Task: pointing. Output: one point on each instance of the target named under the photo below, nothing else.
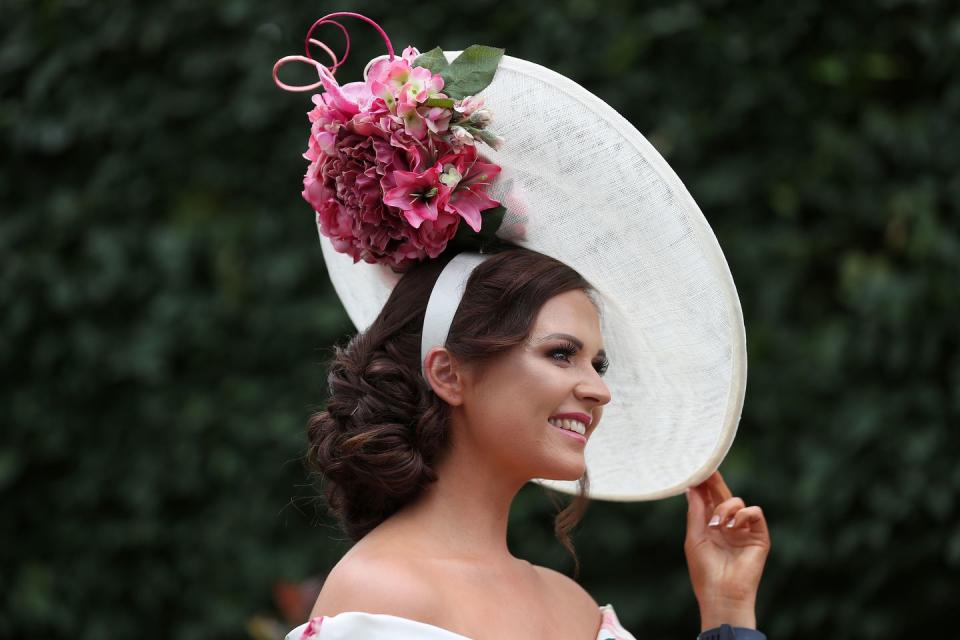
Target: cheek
(520, 392)
(539, 388)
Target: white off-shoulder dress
(357, 625)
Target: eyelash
(569, 349)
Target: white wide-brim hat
(589, 190)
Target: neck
(464, 514)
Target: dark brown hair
(378, 442)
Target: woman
(481, 372)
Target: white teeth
(570, 425)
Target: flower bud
(468, 105)
(481, 117)
(461, 135)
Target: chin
(573, 472)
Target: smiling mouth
(574, 426)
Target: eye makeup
(570, 346)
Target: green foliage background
(165, 311)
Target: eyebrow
(575, 340)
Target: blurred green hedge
(166, 315)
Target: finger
(725, 510)
(709, 498)
(743, 516)
(712, 497)
(751, 518)
(696, 512)
(718, 487)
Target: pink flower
(410, 54)
(391, 74)
(336, 97)
(398, 75)
(347, 188)
(416, 194)
(421, 84)
(325, 123)
(403, 89)
(466, 196)
(437, 119)
(468, 105)
(418, 153)
(413, 122)
(461, 137)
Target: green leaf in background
(472, 71)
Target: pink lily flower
(467, 197)
(416, 194)
(335, 96)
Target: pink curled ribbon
(321, 69)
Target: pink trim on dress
(312, 629)
(610, 627)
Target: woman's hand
(725, 563)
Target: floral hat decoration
(394, 166)
(452, 151)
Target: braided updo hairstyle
(378, 442)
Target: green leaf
(491, 219)
(472, 71)
(487, 137)
(434, 60)
(446, 103)
(466, 239)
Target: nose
(592, 388)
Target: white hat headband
(397, 177)
(444, 301)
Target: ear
(445, 375)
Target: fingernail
(714, 521)
(730, 524)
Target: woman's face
(509, 403)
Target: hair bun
(377, 440)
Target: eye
(601, 365)
(564, 352)
(567, 350)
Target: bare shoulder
(566, 590)
(378, 584)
